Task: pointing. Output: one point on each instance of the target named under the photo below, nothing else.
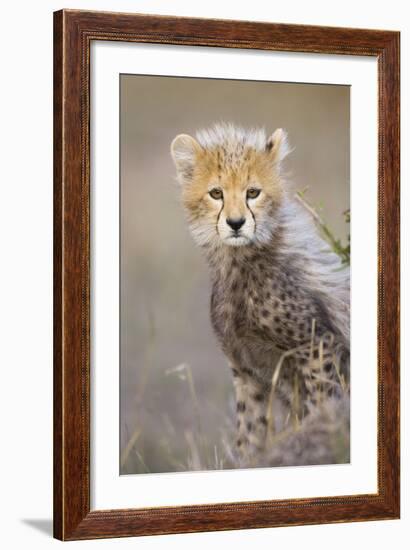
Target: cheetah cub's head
(231, 183)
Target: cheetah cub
(280, 298)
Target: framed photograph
(226, 275)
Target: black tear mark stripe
(252, 214)
(219, 215)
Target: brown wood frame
(73, 33)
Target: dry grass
(321, 437)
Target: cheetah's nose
(235, 224)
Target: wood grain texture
(58, 281)
(73, 32)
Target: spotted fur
(276, 286)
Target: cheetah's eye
(216, 193)
(252, 193)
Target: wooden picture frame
(74, 32)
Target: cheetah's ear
(184, 150)
(277, 145)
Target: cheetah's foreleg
(252, 396)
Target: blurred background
(177, 402)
